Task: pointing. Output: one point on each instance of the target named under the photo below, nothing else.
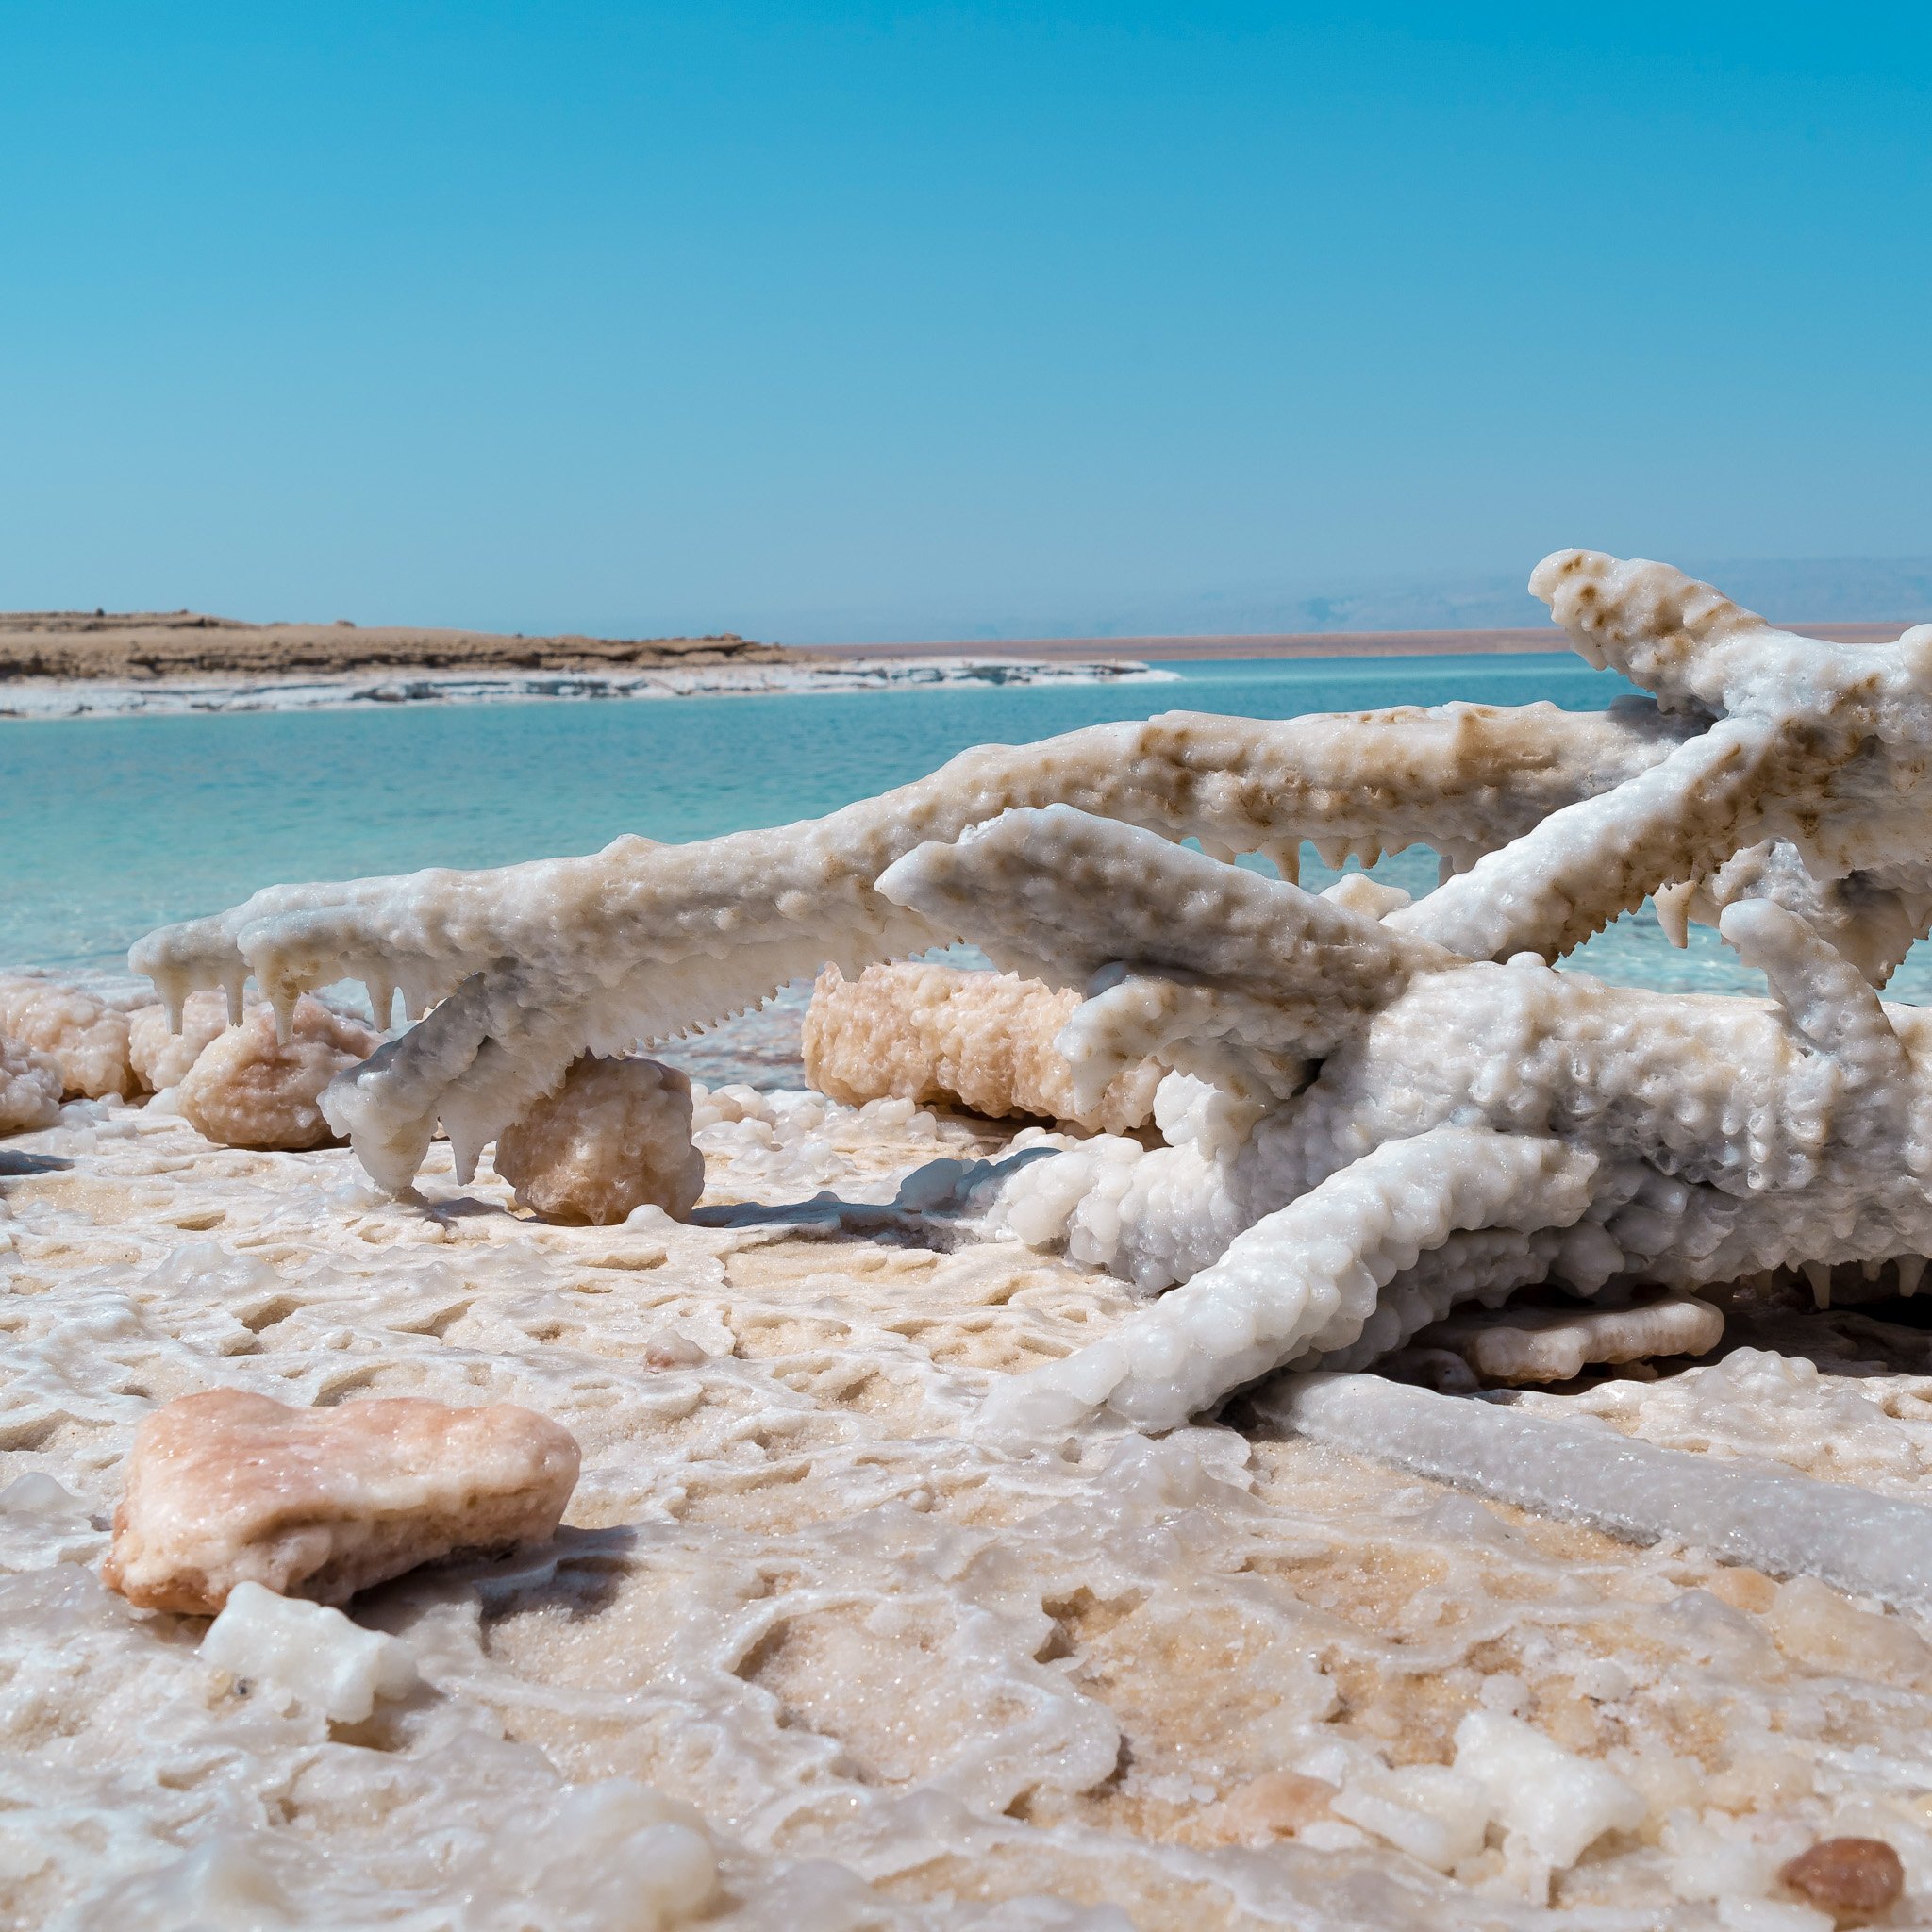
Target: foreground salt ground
(803, 1657)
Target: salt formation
(903, 1681)
(83, 1036)
(531, 965)
(614, 1136)
(250, 1088)
(161, 1054)
(1378, 1110)
(308, 1649)
(924, 1032)
(31, 1085)
(226, 1488)
(1555, 1344)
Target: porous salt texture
(255, 1087)
(615, 1137)
(31, 1085)
(84, 1036)
(1203, 1681)
(924, 1032)
(161, 1054)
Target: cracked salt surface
(805, 1655)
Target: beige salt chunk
(227, 1487)
(161, 1057)
(31, 1085)
(979, 1040)
(1530, 1344)
(615, 1137)
(84, 1036)
(250, 1089)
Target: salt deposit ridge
(946, 1550)
(43, 697)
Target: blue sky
(821, 322)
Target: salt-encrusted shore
(805, 1655)
(174, 695)
(949, 1548)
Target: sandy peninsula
(70, 664)
(148, 645)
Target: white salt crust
(1205, 1680)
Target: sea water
(114, 825)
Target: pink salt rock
(249, 1089)
(615, 1135)
(227, 1487)
(161, 1057)
(85, 1036)
(30, 1089)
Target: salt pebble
(311, 1651)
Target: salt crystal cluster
(309, 1649)
(614, 1137)
(31, 1085)
(161, 1054)
(80, 1033)
(251, 1086)
(227, 1487)
(986, 1042)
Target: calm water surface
(115, 826)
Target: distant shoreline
(69, 664)
(31, 699)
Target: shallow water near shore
(115, 826)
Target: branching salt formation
(1376, 1111)
(531, 965)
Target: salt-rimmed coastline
(61, 697)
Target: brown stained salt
(1853, 1878)
(985, 1041)
(226, 1488)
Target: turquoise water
(115, 826)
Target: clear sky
(815, 320)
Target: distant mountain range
(1832, 589)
